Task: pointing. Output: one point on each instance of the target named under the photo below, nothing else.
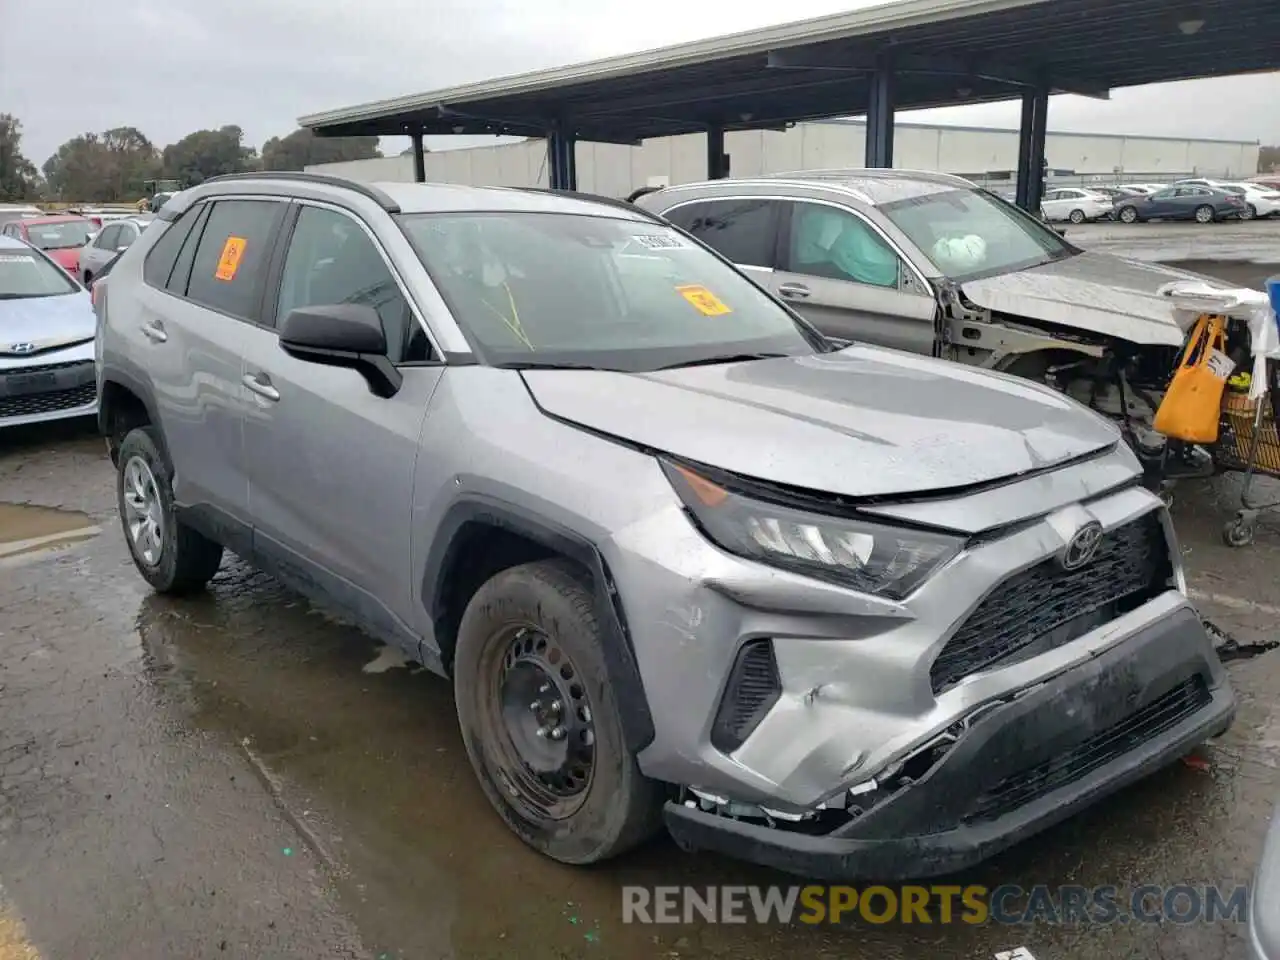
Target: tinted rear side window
(161, 257)
(742, 231)
(232, 259)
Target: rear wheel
(1076, 216)
(1204, 214)
(1128, 215)
(539, 719)
(1250, 212)
(170, 556)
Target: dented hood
(1095, 292)
(861, 422)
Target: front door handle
(154, 331)
(260, 384)
(793, 291)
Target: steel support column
(717, 161)
(419, 159)
(1031, 143)
(562, 164)
(880, 107)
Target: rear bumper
(1027, 764)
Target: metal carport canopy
(938, 53)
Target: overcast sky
(172, 66)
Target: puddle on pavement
(25, 528)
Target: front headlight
(868, 557)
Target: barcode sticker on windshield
(703, 300)
(655, 242)
(229, 262)
(1220, 365)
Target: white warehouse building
(980, 153)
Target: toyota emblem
(1082, 546)
(21, 348)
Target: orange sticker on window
(703, 300)
(229, 262)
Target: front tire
(539, 719)
(1204, 214)
(171, 557)
(1250, 212)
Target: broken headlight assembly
(871, 558)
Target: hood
(862, 422)
(1102, 294)
(46, 322)
(68, 258)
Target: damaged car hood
(861, 422)
(1095, 292)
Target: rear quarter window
(158, 265)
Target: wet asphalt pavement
(239, 775)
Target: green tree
(302, 147)
(208, 153)
(1269, 159)
(79, 170)
(18, 176)
(131, 160)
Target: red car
(60, 237)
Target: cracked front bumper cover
(1022, 767)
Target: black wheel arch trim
(133, 380)
(617, 649)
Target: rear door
(192, 338)
(844, 276)
(330, 464)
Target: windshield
(25, 275)
(968, 234)
(571, 290)
(59, 236)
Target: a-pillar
(1031, 146)
(880, 108)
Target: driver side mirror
(342, 335)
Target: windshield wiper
(727, 358)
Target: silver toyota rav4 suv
(849, 612)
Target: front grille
(753, 689)
(47, 367)
(1045, 607)
(1145, 723)
(34, 403)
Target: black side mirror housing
(342, 335)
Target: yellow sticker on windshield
(229, 262)
(703, 300)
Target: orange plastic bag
(1192, 405)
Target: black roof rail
(596, 198)
(379, 197)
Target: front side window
(59, 236)
(968, 233)
(833, 243)
(742, 231)
(545, 289)
(26, 275)
(231, 260)
(331, 260)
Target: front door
(331, 465)
(841, 274)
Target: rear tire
(1076, 216)
(1204, 214)
(539, 719)
(171, 557)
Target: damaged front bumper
(1030, 761)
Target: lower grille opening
(754, 687)
(1045, 607)
(1161, 714)
(34, 403)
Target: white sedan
(1075, 204)
(1263, 201)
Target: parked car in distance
(115, 237)
(1143, 188)
(1260, 201)
(1271, 180)
(18, 211)
(927, 262)
(1202, 204)
(46, 339)
(59, 236)
(731, 562)
(1075, 204)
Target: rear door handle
(154, 331)
(260, 384)
(793, 291)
